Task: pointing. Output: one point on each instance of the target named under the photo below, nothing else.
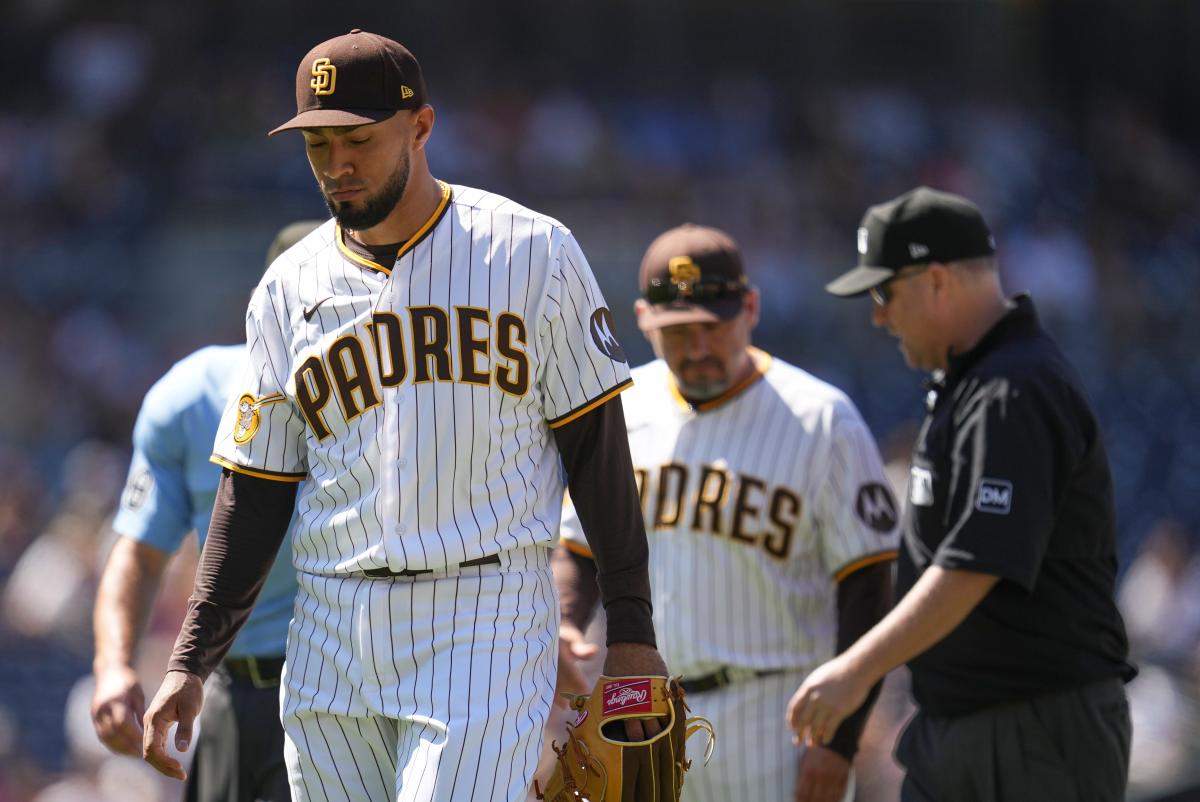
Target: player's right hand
(118, 704)
(571, 649)
(634, 660)
(179, 699)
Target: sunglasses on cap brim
(662, 291)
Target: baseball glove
(597, 764)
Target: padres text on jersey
(419, 397)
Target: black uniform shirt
(1009, 477)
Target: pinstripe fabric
(418, 400)
(753, 506)
(432, 688)
(722, 595)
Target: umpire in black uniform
(1005, 580)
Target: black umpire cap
(923, 225)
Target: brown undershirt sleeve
(595, 452)
(864, 597)
(249, 520)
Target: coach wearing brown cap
(772, 525)
(1007, 620)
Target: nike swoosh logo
(309, 312)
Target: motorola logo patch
(601, 327)
(875, 507)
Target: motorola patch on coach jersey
(875, 507)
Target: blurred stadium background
(138, 193)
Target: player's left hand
(824, 700)
(631, 660)
(824, 775)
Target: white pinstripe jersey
(756, 503)
(419, 398)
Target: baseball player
(429, 361)
(772, 529)
(169, 492)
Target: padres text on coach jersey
(419, 397)
(755, 503)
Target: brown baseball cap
(355, 79)
(691, 274)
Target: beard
(703, 387)
(375, 209)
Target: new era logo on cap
(917, 250)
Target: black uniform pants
(1071, 746)
(239, 754)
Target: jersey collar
(1020, 321)
(762, 362)
(426, 227)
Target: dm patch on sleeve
(995, 496)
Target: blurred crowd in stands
(138, 192)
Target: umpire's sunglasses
(663, 291)
(881, 294)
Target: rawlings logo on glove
(626, 696)
(595, 765)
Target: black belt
(384, 573)
(263, 672)
(726, 675)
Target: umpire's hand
(118, 703)
(179, 699)
(830, 693)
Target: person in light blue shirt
(169, 492)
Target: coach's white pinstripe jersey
(419, 397)
(756, 503)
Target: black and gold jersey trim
(563, 420)
(762, 363)
(274, 476)
(863, 562)
(422, 232)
